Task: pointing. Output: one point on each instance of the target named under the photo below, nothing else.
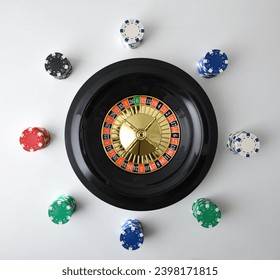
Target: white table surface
(245, 97)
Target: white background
(245, 97)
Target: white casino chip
(132, 33)
(247, 144)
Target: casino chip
(243, 143)
(61, 210)
(58, 66)
(132, 33)
(33, 139)
(206, 212)
(132, 235)
(212, 64)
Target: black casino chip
(58, 66)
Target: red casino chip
(33, 139)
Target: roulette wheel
(141, 134)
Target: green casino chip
(60, 211)
(208, 214)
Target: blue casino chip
(215, 62)
(132, 238)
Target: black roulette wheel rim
(164, 82)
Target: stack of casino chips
(243, 143)
(132, 33)
(33, 139)
(61, 210)
(132, 235)
(206, 212)
(58, 66)
(212, 64)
